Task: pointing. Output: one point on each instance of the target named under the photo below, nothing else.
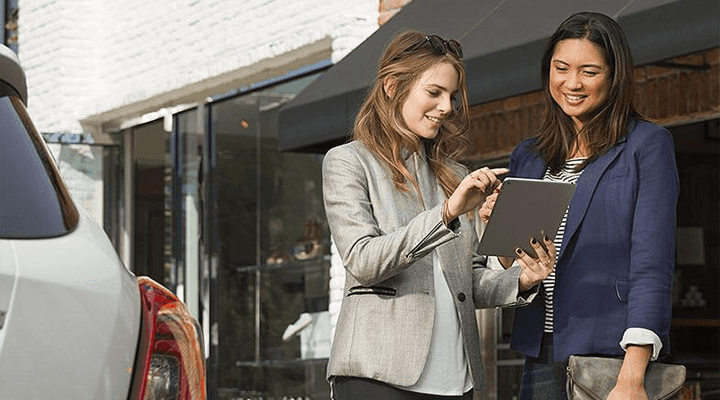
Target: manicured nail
(533, 241)
(518, 251)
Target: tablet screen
(525, 208)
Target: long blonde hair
(379, 123)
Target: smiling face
(430, 100)
(579, 79)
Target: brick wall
(496, 127)
(668, 96)
(60, 49)
(388, 8)
(89, 57)
(671, 96)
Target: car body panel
(72, 321)
(75, 323)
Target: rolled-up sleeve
(642, 337)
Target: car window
(34, 202)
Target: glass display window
(270, 249)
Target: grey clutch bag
(592, 378)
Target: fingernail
(533, 241)
(518, 251)
(547, 239)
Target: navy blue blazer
(615, 267)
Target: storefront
(266, 247)
(676, 48)
(219, 198)
(236, 228)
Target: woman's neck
(580, 150)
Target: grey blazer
(384, 236)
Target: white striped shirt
(566, 174)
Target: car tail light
(169, 364)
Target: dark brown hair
(557, 137)
(379, 123)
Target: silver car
(75, 323)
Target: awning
(502, 41)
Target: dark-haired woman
(610, 293)
(397, 207)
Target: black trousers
(543, 378)
(352, 388)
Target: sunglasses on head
(440, 45)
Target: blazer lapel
(432, 195)
(586, 185)
(448, 253)
(428, 185)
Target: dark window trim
(278, 80)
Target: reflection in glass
(186, 158)
(151, 176)
(113, 194)
(272, 245)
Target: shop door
(268, 243)
(149, 169)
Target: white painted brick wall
(85, 57)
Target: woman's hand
(534, 270)
(472, 190)
(628, 393)
(489, 204)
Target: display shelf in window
(279, 380)
(282, 310)
(282, 363)
(320, 261)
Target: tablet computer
(524, 208)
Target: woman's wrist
(446, 217)
(634, 365)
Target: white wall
(105, 61)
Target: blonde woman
(398, 208)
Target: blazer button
(461, 296)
